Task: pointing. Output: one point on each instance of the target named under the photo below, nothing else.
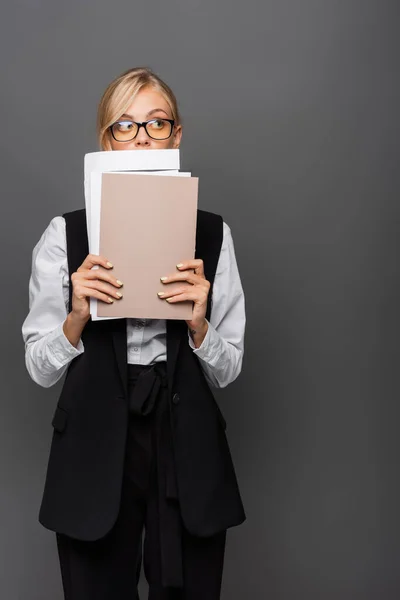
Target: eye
(124, 125)
(157, 124)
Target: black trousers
(177, 565)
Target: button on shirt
(48, 352)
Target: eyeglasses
(157, 129)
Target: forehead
(147, 100)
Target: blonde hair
(119, 95)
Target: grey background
(291, 121)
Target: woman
(139, 441)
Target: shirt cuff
(206, 351)
(61, 348)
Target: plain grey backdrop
(291, 122)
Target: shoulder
(206, 219)
(56, 225)
(209, 225)
(75, 216)
(204, 216)
(75, 224)
(51, 245)
(54, 233)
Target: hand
(195, 288)
(93, 283)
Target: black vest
(84, 476)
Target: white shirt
(48, 352)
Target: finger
(168, 293)
(197, 264)
(95, 259)
(193, 297)
(92, 293)
(184, 276)
(100, 286)
(99, 274)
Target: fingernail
(119, 295)
(168, 299)
(163, 278)
(160, 294)
(179, 266)
(109, 264)
(110, 300)
(119, 282)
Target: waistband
(134, 370)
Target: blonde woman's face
(148, 105)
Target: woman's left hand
(195, 288)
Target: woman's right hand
(93, 283)
(89, 283)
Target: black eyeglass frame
(142, 124)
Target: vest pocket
(59, 419)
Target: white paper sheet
(126, 160)
(132, 160)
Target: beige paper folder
(147, 227)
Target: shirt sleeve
(221, 353)
(48, 352)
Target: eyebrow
(152, 112)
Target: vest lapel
(174, 337)
(121, 350)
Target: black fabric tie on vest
(148, 400)
(143, 396)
